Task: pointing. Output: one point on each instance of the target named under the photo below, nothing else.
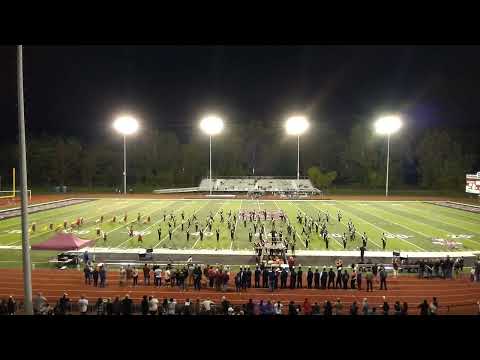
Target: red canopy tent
(63, 241)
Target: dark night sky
(77, 90)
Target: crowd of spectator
(150, 305)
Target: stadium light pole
(297, 125)
(125, 125)
(388, 125)
(27, 267)
(211, 125)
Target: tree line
(433, 158)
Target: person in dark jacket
(126, 305)
(327, 308)
(257, 277)
(249, 277)
(144, 305)
(299, 277)
(250, 307)
(359, 279)
(271, 279)
(87, 273)
(283, 278)
(385, 307)
(383, 279)
(116, 306)
(11, 306)
(345, 278)
(95, 277)
(324, 277)
(331, 278)
(293, 278)
(423, 308)
(354, 308)
(292, 310)
(338, 283)
(316, 278)
(265, 278)
(309, 277)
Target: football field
(408, 225)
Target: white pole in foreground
(211, 184)
(388, 161)
(27, 270)
(298, 159)
(124, 164)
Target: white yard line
(166, 236)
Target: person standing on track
(146, 275)
(331, 278)
(324, 278)
(316, 278)
(299, 278)
(369, 277)
(309, 277)
(293, 278)
(383, 278)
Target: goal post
(14, 193)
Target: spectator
(172, 306)
(225, 305)
(157, 277)
(11, 305)
(291, 309)
(397, 308)
(116, 306)
(135, 276)
(103, 275)
(369, 277)
(423, 308)
(38, 303)
(327, 308)
(187, 307)
(99, 307)
(153, 305)
(261, 308)
(126, 305)
(365, 306)
(146, 275)
(316, 309)
(359, 279)
(207, 306)
(95, 276)
(307, 308)
(383, 279)
(405, 309)
(108, 306)
(478, 303)
(86, 272)
(45, 309)
(434, 306)
(196, 307)
(269, 308)
(338, 307)
(385, 307)
(278, 308)
(230, 310)
(123, 276)
(83, 305)
(64, 305)
(3, 307)
(144, 304)
(354, 308)
(250, 307)
(129, 273)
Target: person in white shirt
(38, 302)
(230, 310)
(83, 305)
(172, 304)
(207, 305)
(157, 274)
(153, 305)
(277, 308)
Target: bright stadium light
(388, 125)
(211, 125)
(125, 125)
(297, 125)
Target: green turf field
(410, 226)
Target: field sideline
(409, 225)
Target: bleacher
(259, 184)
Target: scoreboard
(473, 184)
